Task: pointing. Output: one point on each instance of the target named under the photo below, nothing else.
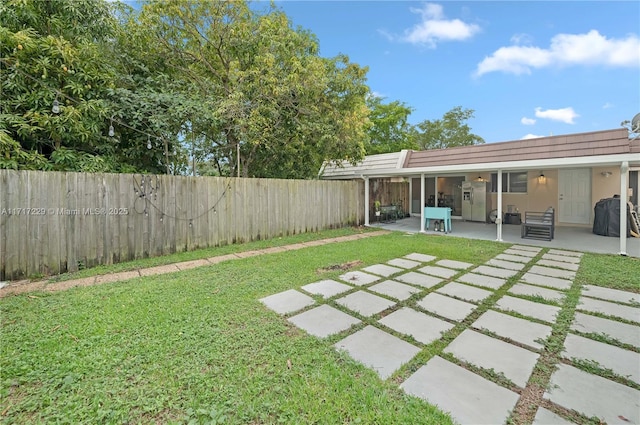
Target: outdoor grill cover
(607, 218)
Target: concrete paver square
(287, 301)
(358, 278)
(423, 258)
(495, 271)
(610, 309)
(326, 288)
(323, 321)
(469, 398)
(404, 263)
(539, 311)
(593, 395)
(378, 350)
(623, 332)
(565, 253)
(446, 306)
(623, 362)
(365, 303)
(452, 264)
(553, 282)
(481, 350)
(383, 270)
(393, 289)
(514, 328)
(533, 291)
(438, 271)
(565, 258)
(419, 279)
(421, 327)
(548, 271)
(482, 280)
(547, 417)
(610, 294)
(559, 264)
(465, 292)
(520, 252)
(503, 264)
(513, 258)
(526, 248)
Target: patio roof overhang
(633, 159)
(624, 161)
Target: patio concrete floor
(570, 238)
(384, 315)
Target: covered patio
(566, 237)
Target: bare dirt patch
(343, 266)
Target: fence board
(85, 224)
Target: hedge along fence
(53, 222)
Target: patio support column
(624, 168)
(411, 196)
(499, 216)
(422, 203)
(366, 201)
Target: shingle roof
(385, 161)
(607, 142)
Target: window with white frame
(514, 182)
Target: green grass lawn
(197, 346)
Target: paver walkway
(385, 314)
(21, 287)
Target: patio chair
(538, 225)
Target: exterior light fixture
(606, 174)
(542, 179)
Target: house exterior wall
(541, 195)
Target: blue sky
(526, 68)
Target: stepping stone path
(385, 314)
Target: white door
(574, 196)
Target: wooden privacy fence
(53, 222)
(388, 193)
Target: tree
(390, 130)
(51, 53)
(214, 83)
(262, 87)
(448, 132)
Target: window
(511, 182)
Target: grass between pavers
(198, 345)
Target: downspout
(624, 169)
(422, 203)
(499, 215)
(366, 199)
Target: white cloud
(607, 105)
(565, 115)
(521, 39)
(435, 28)
(530, 136)
(591, 48)
(527, 121)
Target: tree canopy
(179, 86)
(390, 130)
(448, 132)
